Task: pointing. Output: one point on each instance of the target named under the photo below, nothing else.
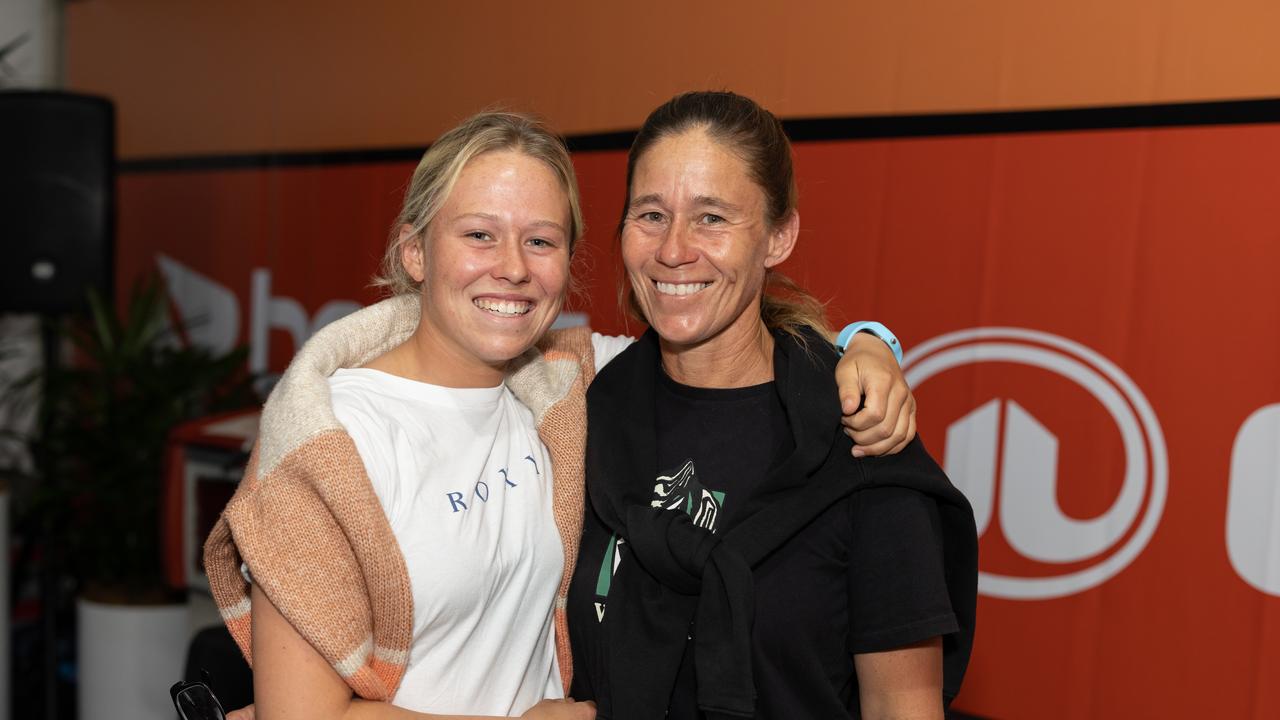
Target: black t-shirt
(865, 575)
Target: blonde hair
(756, 136)
(445, 160)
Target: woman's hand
(869, 378)
(546, 710)
(565, 709)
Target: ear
(411, 253)
(783, 240)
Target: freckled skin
(696, 216)
(501, 236)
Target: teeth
(504, 307)
(680, 288)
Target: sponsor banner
(1092, 329)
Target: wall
(240, 76)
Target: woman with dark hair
(776, 578)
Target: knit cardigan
(307, 523)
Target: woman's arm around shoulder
(292, 681)
(879, 409)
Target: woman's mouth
(667, 288)
(505, 308)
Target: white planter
(129, 655)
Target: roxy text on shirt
(480, 493)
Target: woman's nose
(512, 265)
(676, 248)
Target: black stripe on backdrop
(1230, 112)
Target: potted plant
(106, 415)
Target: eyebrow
(650, 199)
(714, 201)
(706, 200)
(494, 218)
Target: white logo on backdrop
(1028, 511)
(1253, 501)
(212, 312)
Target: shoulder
(585, 345)
(556, 370)
(300, 405)
(615, 379)
(913, 468)
(374, 419)
(607, 347)
(903, 512)
(908, 483)
(356, 397)
(545, 373)
(576, 340)
(906, 506)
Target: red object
(191, 504)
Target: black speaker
(57, 199)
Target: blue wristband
(875, 328)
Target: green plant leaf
(108, 417)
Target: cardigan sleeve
(317, 543)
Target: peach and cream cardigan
(306, 522)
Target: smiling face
(696, 242)
(494, 266)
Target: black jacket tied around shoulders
(688, 583)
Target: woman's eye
(541, 242)
(478, 235)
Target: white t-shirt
(466, 485)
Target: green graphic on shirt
(680, 490)
(606, 568)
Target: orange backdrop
(247, 76)
(1154, 249)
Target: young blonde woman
(402, 542)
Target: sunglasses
(196, 701)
